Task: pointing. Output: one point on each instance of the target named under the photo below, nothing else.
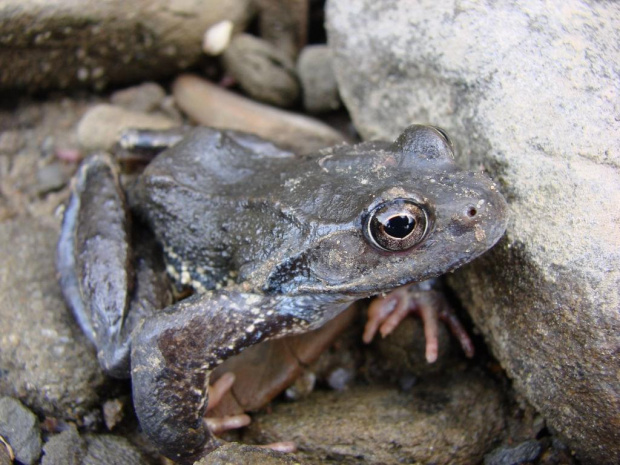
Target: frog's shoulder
(207, 159)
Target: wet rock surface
(528, 93)
(449, 419)
(20, 429)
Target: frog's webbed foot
(386, 312)
(107, 295)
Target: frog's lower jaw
(174, 352)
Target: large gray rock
(44, 358)
(530, 93)
(64, 43)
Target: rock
(65, 44)
(51, 178)
(66, 448)
(284, 24)
(111, 450)
(238, 454)
(318, 81)
(211, 105)
(20, 428)
(528, 91)
(69, 448)
(101, 126)
(526, 452)
(441, 421)
(264, 72)
(143, 98)
(44, 359)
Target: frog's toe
(218, 425)
(385, 313)
(284, 446)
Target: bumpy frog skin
(274, 243)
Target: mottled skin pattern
(275, 244)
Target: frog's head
(390, 214)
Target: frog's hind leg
(94, 262)
(175, 351)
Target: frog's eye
(396, 225)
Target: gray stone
(318, 81)
(526, 452)
(529, 92)
(66, 448)
(44, 359)
(442, 420)
(111, 450)
(69, 448)
(20, 428)
(71, 43)
(101, 126)
(264, 72)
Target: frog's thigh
(174, 352)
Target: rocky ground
(545, 300)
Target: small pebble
(302, 386)
(339, 379)
(112, 413)
(264, 72)
(20, 429)
(217, 38)
(525, 452)
(51, 178)
(318, 81)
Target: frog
(272, 244)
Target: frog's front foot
(386, 312)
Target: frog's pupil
(399, 226)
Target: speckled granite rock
(45, 361)
(530, 93)
(68, 43)
(452, 419)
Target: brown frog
(274, 244)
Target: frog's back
(202, 195)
